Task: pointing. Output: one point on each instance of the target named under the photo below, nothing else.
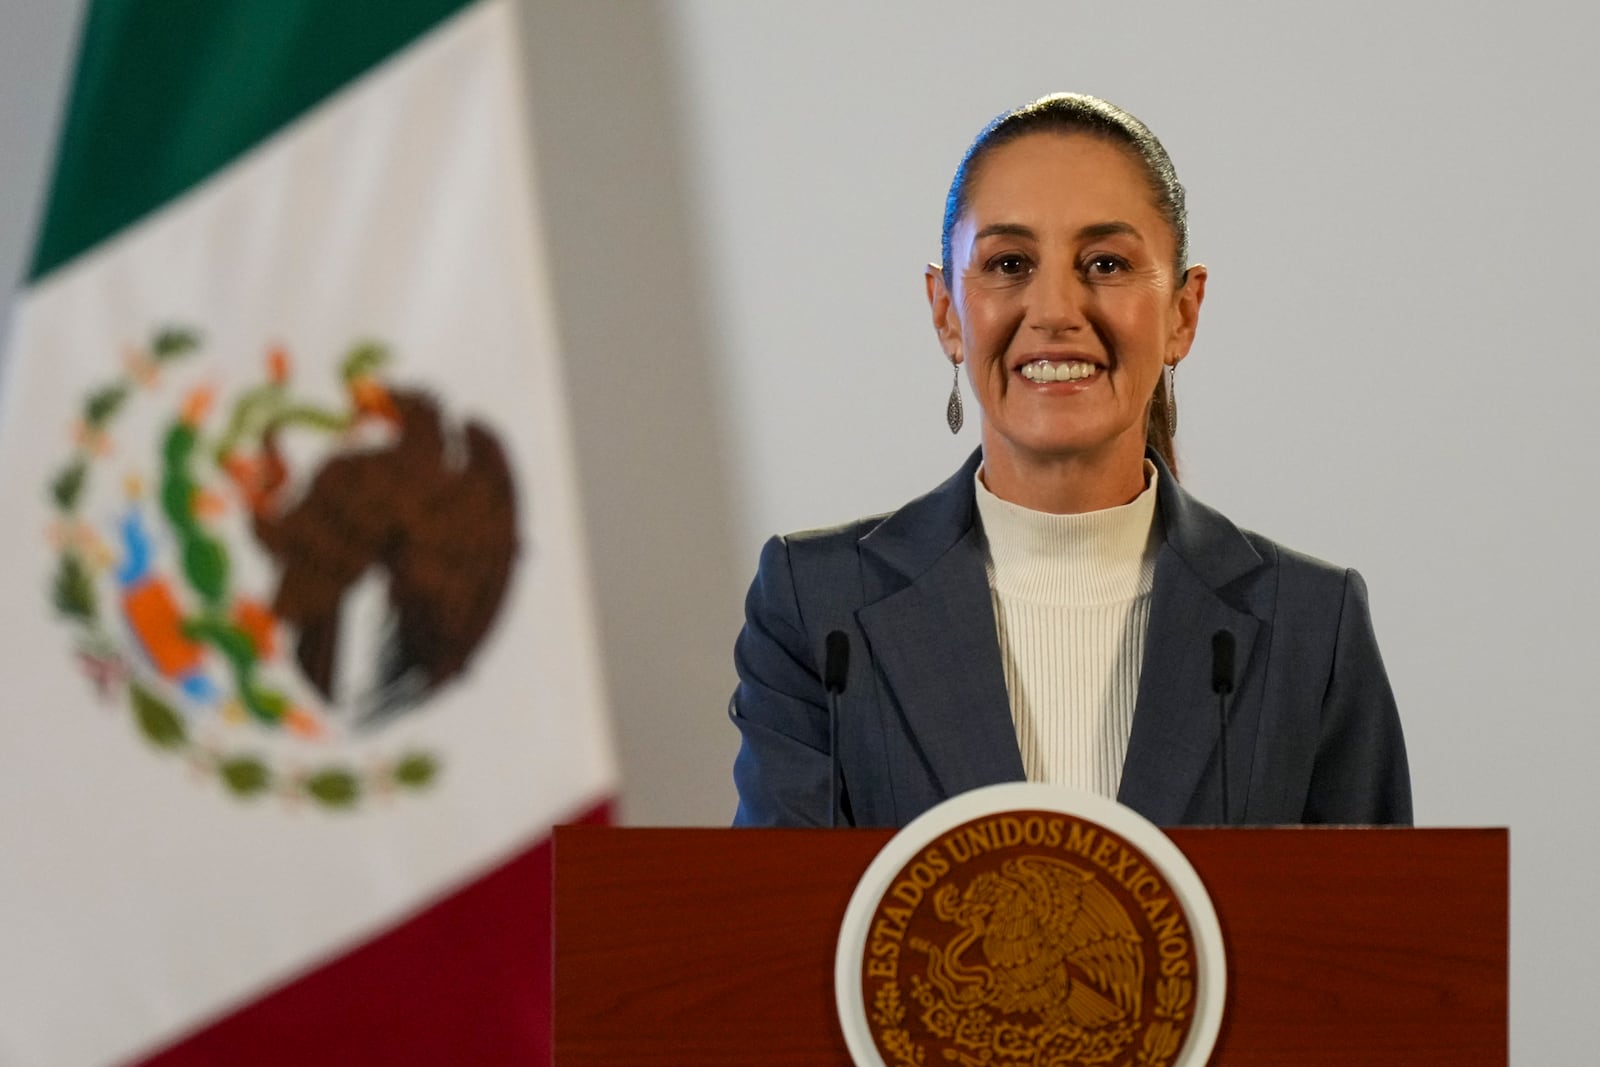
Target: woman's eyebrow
(1109, 229)
(1003, 229)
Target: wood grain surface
(698, 948)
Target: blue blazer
(1313, 734)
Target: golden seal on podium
(1030, 926)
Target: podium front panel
(1345, 946)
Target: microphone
(1222, 662)
(836, 661)
(835, 666)
(1222, 685)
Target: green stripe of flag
(167, 92)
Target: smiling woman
(1050, 612)
(1061, 298)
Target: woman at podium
(1061, 609)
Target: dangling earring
(1172, 400)
(954, 416)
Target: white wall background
(1396, 367)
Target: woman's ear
(1186, 302)
(946, 323)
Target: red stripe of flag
(464, 981)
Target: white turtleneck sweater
(1071, 604)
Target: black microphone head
(1222, 662)
(836, 662)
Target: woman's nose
(1059, 300)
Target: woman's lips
(1044, 371)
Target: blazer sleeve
(1361, 775)
(780, 707)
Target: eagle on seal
(1054, 943)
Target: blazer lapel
(1175, 722)
(929, 621)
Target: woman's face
(1063, 302)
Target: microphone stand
(835, 668)
(1222, 685)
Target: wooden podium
(1345, 946)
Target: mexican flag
(298, 659)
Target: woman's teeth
(1043, 370)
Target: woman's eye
(1010, 263)
(1104, 265)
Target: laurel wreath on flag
(234, 629)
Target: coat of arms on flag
(385, 538)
